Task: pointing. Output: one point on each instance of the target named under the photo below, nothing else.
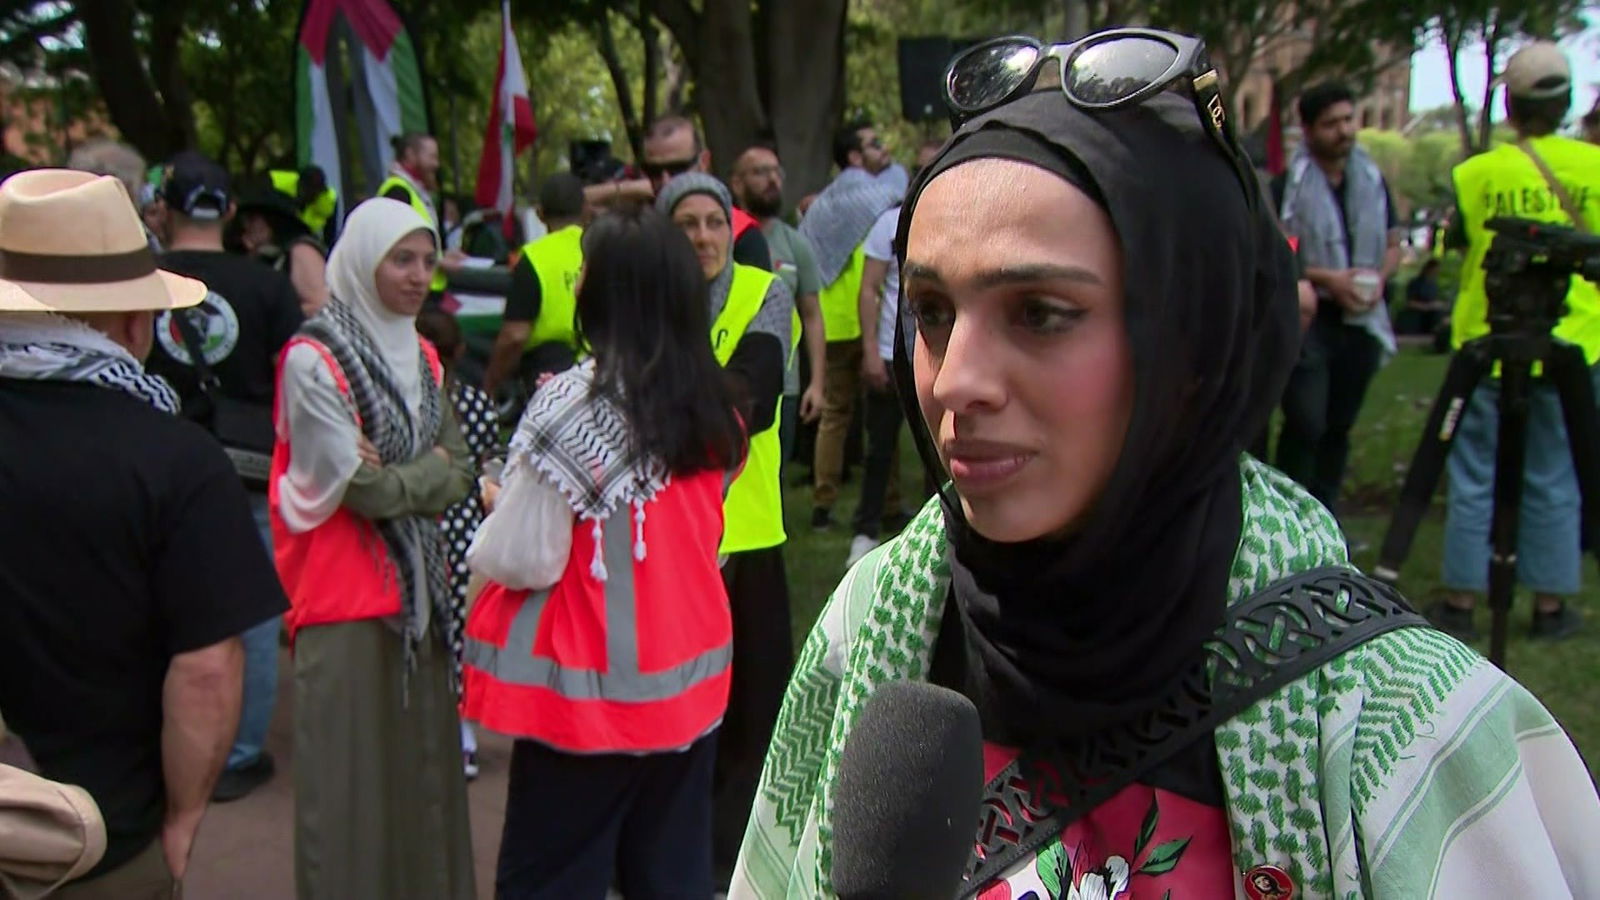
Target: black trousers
(763, 658)
(571, 819)
(1324, 396)
(883, 418)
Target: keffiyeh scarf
(577, 437)
(48, 347)
(414, 543)
(841, 216)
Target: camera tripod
(1526, 301)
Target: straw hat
(71, 242)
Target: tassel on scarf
(638, 531)
(597, 567)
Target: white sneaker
(469, 763)
(860, 546)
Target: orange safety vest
(339, 571)
(742, 222)
(636, 662)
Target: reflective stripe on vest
(417, 203)
(638, 662)
(841, 310)
(556, 259)
(1505, 182)
(622, 679)
(753, 510)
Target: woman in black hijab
(1098, 313)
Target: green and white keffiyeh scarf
(1408, 767)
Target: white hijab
(370, 232)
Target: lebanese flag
(510, 129)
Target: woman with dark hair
(608, 656)
(1183, 687)
(269, 228)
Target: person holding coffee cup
(1335, 202)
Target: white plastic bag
(525, 542)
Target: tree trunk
(619, 81)
(1075, 22)
(1491, 44)
(650, 36)
(726, 93)
(1452, 47)
(124, 85)
(166, 58)
(805, 58)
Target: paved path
(245, 850)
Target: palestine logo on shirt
(214, 321)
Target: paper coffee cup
(1370, 284)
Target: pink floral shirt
(1144, 843)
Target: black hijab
(1064, 637)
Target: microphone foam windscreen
(910, 784)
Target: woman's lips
(979, 465)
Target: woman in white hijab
(367, 458)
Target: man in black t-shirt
(128, 561)
(248, 315)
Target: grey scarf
(1311, 212)
(841, 216)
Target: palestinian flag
(380, 72)
(510, 130)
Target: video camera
(1529, 269)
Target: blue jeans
(1548, 555)
(260, 668)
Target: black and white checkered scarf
(48, 347)
(578, 438)
(413, 543)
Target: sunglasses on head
(1108, 70)
(658, 170)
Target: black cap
(197, 187)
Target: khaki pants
(145, 877)
(841, 387)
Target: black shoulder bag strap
(1275, 637)
(247, 443)
(210, 384)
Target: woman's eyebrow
(1026, 273)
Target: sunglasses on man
(660, 171)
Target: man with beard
(1335, 202)
(757, 184)
(414, 180)
(837, 224)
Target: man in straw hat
(128, 559)
(1544, 176)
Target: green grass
(1565, 676)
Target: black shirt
(250, 313)
(525, 296)
(126, 539)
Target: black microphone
(910, 783)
